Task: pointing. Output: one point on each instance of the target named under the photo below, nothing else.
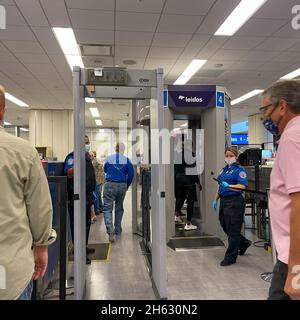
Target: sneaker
(90, 250)
(190, 226)
(178, 219)
(226, 263)
(111, 238)
(244, 249)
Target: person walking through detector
(25, 215)
(185, 184)
(119, 175)
(97, 207)
(281, 117)
(232, 206)
(90, 187)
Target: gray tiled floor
(191, 275)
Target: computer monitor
(267, 154)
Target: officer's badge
(243, 175)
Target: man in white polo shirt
(281, 109)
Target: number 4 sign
(220, 99)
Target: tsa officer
(90, 187)
(232, 206)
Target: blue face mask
(271, 126)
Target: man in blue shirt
(119, 175)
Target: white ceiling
(156, 33)
(110, 113)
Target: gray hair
(288, 90)
(120, 147)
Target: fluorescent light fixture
(95, 112)
(15, 100)
(292, 75)
(184, 125)
(67, 41)
(24, 129)
(104, 100)
(98, 122)
(90, 100)
(246, 96)
(191, 69)
(7, 123)
(239, 16)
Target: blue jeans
(98, 201)
(26, 294)
(113, 193)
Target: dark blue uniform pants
(87, 214)
(231, 216)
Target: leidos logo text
(190, 99)
(2, 18)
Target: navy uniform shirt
(69, 161)
(234, 174)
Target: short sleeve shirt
(285, 179)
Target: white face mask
(230, 161)
(87, 147)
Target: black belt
(231, 196)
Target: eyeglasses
(263, 109)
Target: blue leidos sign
(220, 99)
(192, 96)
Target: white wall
(256, 131)
(52, 129)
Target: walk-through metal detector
(205, 107)
(119, 83)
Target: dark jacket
(90, 174)
(180, 170)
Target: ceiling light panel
(239, 16)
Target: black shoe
(244, 249)
(88, 260)
(90, 250)
(226, 263)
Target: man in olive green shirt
(25, 215)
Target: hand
(292, 287)
(40, 254)
(224, 184)
(215, 204)
(70, 173)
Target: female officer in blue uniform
(232, 206)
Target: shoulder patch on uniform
(70, 161)
(243, 175)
